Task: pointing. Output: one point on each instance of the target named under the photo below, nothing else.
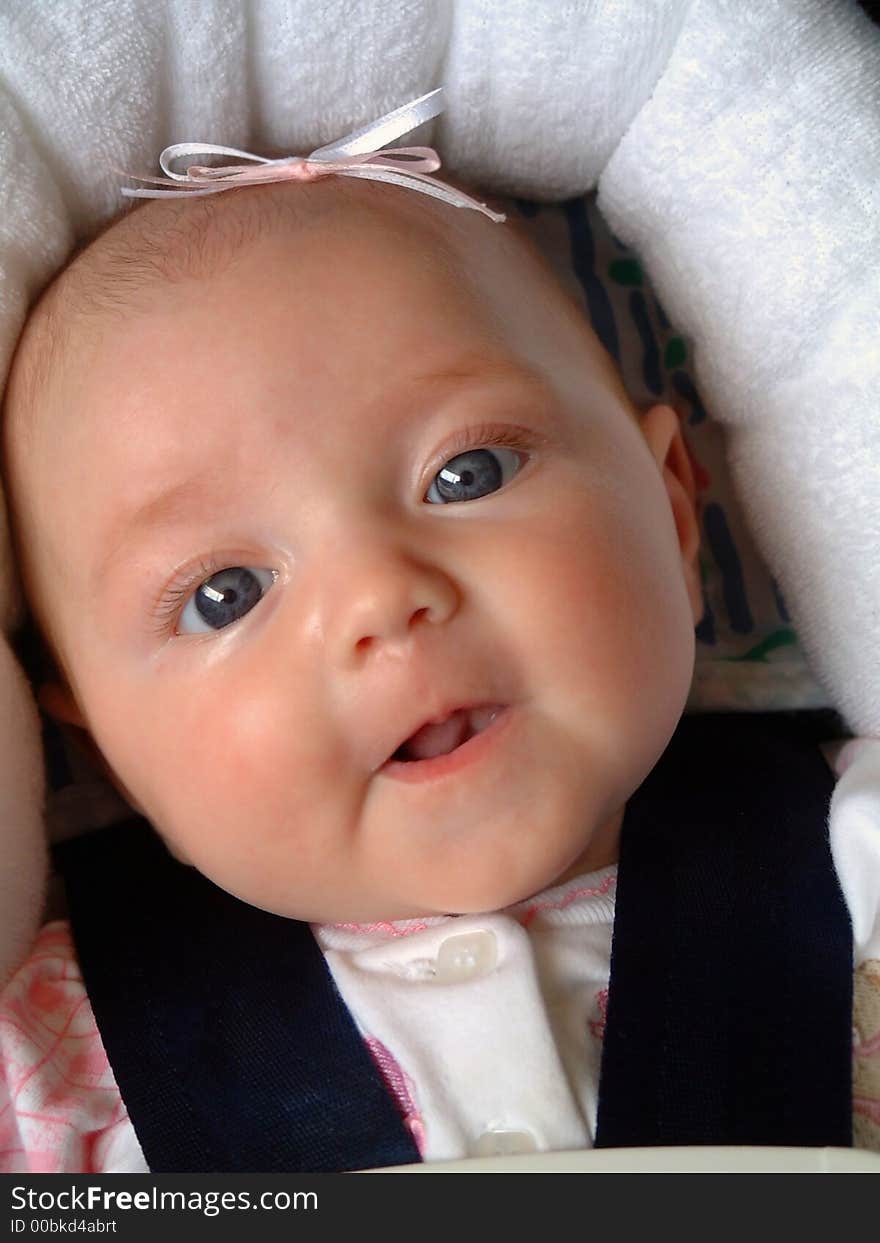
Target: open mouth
(440, 748)
(441, 737)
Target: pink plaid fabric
(60, 1108)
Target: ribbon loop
(355, 155)
(377, 134)
(199, 149)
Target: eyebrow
(476, 370)
(169, 506)
(479, 368)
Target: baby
(373, 591)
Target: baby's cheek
(604, 620)
(572, 596)
(220, 769)
(239, 743)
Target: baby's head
(297, 469)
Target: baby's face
(371, 475)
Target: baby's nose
(384, 595)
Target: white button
(465, 956)
(502, 1143)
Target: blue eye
(224, 598)
(468, 476)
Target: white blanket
(736, 145)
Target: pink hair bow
(351, 156)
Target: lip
(470, 752)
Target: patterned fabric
(60, 1109)
(402, 1088)
(866, 1056)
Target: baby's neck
(602, 850)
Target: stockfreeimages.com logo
(210, 1203)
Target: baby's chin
(401, 909)
(491, 897)
(490, 884)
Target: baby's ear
(662, 431)
(57, 701)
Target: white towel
(749, 183)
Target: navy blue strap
(229, 1041)
(729, 1015)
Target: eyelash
(175, 595)
(481, 436)
(485, 436)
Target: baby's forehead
(127, 262)
(161, 242)
(136, 261)
(131, 264)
